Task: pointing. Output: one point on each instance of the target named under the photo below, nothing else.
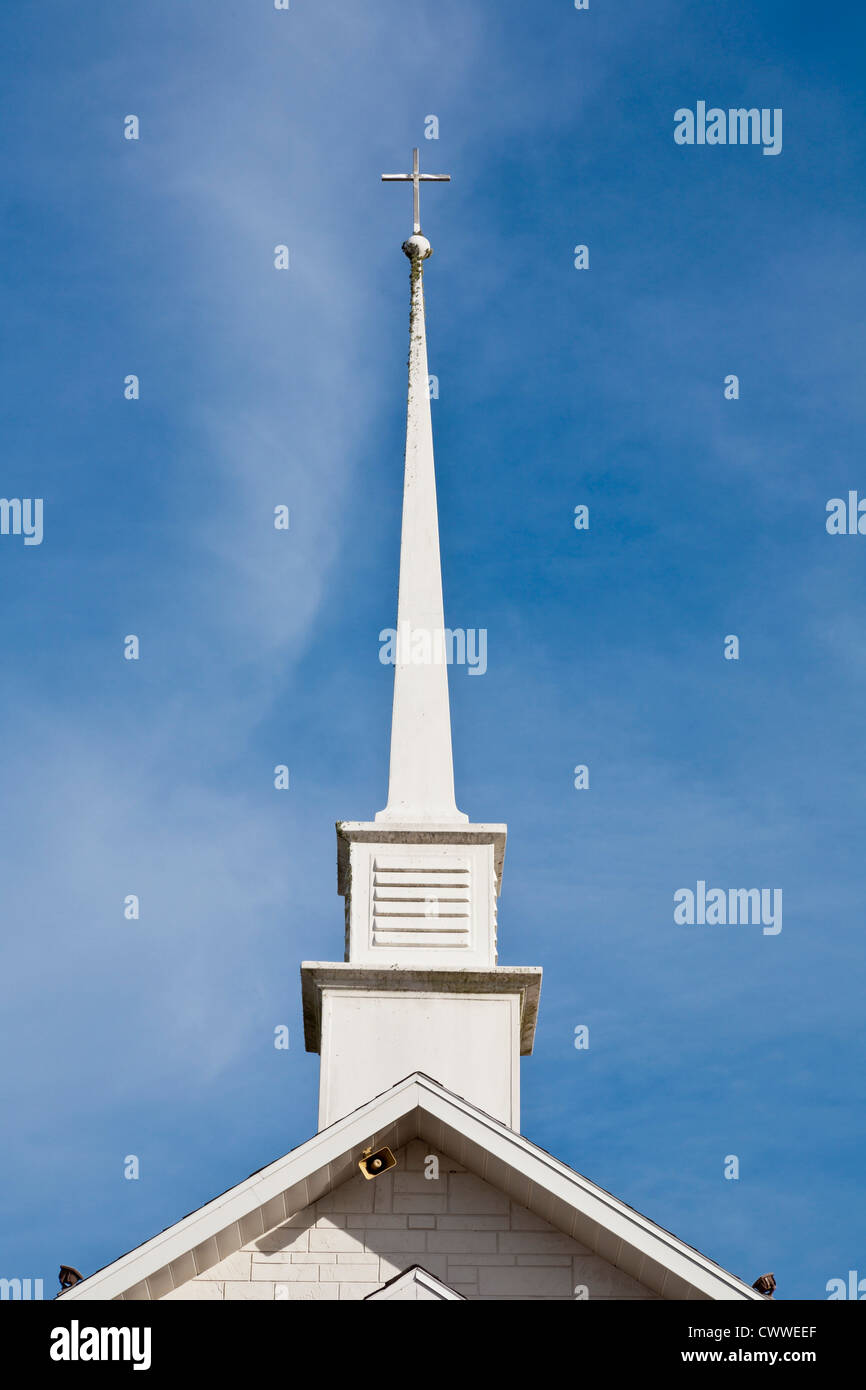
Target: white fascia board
(334, 1145)
(329, 1146)
(560, 1181)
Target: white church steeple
(419, 989)
(421, 780)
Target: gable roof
(413, 1285)
(416, 1107)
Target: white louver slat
(432, 902)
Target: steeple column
(420, 989)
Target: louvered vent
(425, 906)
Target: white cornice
(316, 975)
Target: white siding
(461, 1229)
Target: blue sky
(605, 647)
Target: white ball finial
(417, 246)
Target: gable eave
(572, 1203)
(416, 1107)
(258, 1203)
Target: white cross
(416, 179)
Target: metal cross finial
(416, 179)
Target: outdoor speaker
(372, 1165)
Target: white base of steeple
(419, 989)
(465, 1028)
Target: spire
(421, 779)
(419, 987)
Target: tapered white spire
(421, 780)
(419, 987)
